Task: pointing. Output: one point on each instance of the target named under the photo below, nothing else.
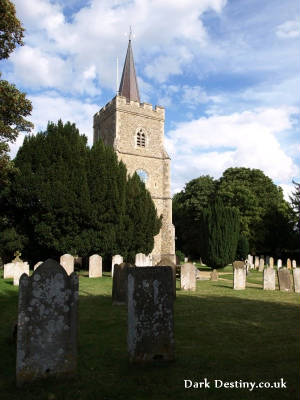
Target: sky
(227, 72)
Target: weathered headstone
(214, 276)
(279, 263)
(166, 262)
(239, 275)
(296, 276)
(150, 314)
(261, 264)
(141, 260)
(186, 259)
(288, 264)
(9, 270)
(294, 264)
(37, 265)
(188, 277)
(20, 269)
(256, 262)
(284, 280)
(47, 323)
(119, 286)
(67, 262)
(271, 262)
(269, 279)
(117, 259)
(95, 266)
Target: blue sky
(227, 73)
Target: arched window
(140, 138)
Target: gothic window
(140, 138)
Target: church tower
(136, 132)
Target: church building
(136, 132)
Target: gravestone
(9, 270)
(294, 264)
(271, 262)
(284, 280)
(119, 286)
(141, 260)
(296, 276)
(239, 275)
(166, 262)
(20, 269)
(186, 259)
(67, 262)
(117, 259)
(47, 323)
(95, 266)
(188, 277)
(256, 262)
(214, 276)
(150, 314)
(288, 264)
(269, 279)
(37, 265)
(279, 263)
(261, 265)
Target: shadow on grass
(217, 337)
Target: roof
(128, 86)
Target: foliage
(295, 202)
(242, 248)
(11, 30)
(68, 198)
(219, 234)
(180, 255)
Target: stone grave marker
(261, 265)
(271, 262)
(119, 286)
(186, 259)
(188, 277)
(95, 266)
(37, 265)
(239, 275)
(47, 323)
(256, 262)
(20, 269)
(67, 262)
(150, 315)
(288, 263)
(294, 264)
(9, 270)
(279, 263)
(269, 279)
(214, 276)
(296, 276)
(141, 260)
(117, 259)
(284, 280)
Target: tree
(295, 203)
(242, 248)
(220, 227)
(13, 104)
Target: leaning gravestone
(150, 314)
(256, 262)
(47, 323)
(239, 275)
(294, 264)
(288, 264)
(269, 279)
(214, 276)
(279, 263)
(119, 286)
(95, 266)
(20, 269)
(284, 280)
(117, 259)
(37, 265)
(188, 277)
(271, 262)
(67, 262)
(261, 265)
(296, 276)
(166, 262)
(141, 260)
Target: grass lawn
(250, 335)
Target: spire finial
(130, 32)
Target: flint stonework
(119, 287)
(188, 277)
(47, 323)
(296, 276)
(20, 269)
(95, 266)
(284, 280)
(269, 279)
(150, 314)
(141, 260)
(239, 275)
(67, 262)
(117, 259)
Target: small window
(140, 138)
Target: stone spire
(128, 86)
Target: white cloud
(288, 30)
(247, 139)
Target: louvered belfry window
(140, 138)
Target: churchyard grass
(249, 335)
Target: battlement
(121, 103)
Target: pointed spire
(128, 86)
